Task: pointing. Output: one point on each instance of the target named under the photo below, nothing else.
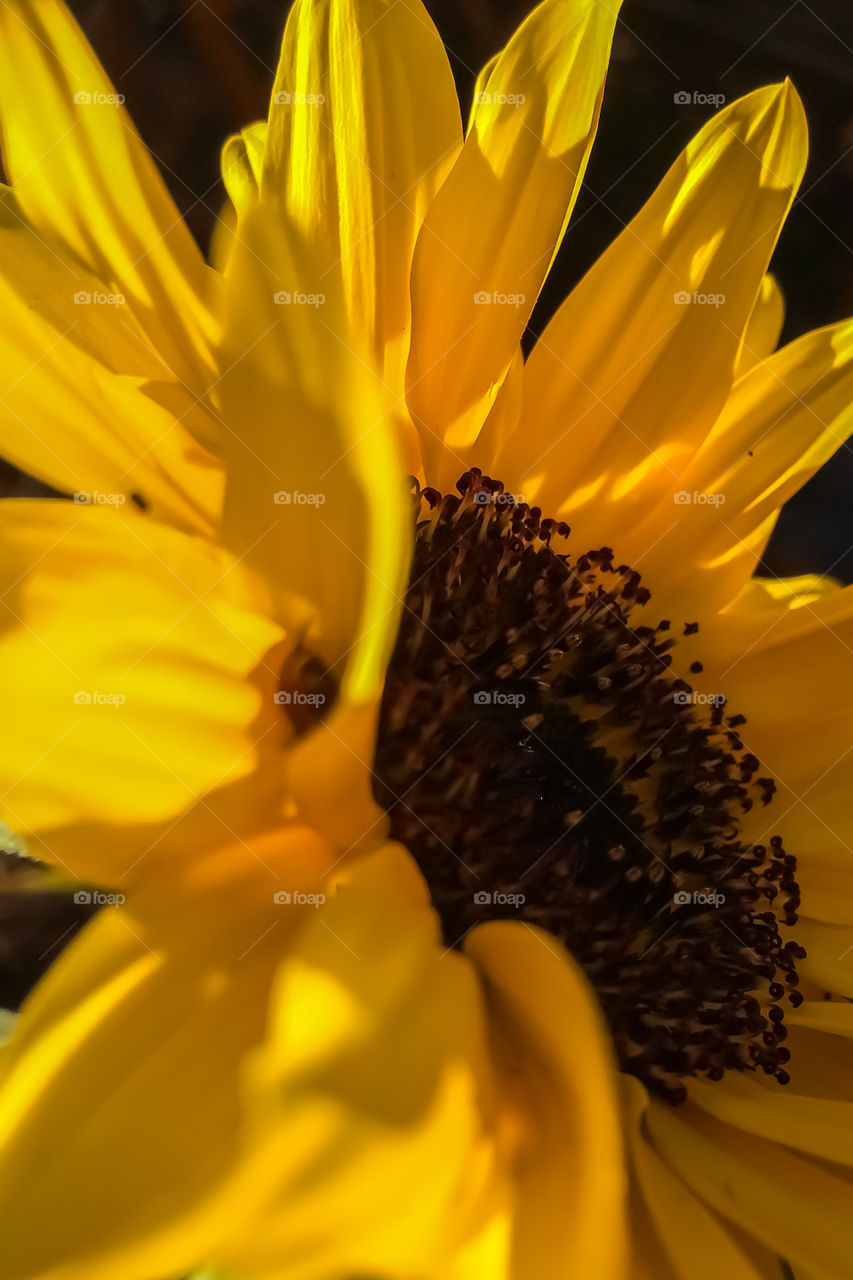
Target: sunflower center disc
(542, 764)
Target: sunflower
(471, 857)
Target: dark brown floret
(541, 761)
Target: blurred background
(195, 70)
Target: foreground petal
(344, 1129)
(81, 175)
(314, 479)
(614, 413)
(494, 227)
(120, 1106)
(554, 1047)
(138, 678)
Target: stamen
(541, 762)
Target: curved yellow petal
(242, 165)
(364, 123)
(555, 1051)
(141, 685)
(784, 664)
(78, 393)
(81, 175)
(368, 1078)
(695, 1242)
(629, 376)
(763, 328)
(494, 227)
(799, 1208)
(315, 501)
(241, 162)
(829, 948)
(782, 421)
(121, 1116)
(817, 1126)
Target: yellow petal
(74, 402)
(694, 1240)
(796, 1206)
(782, 421)
(821, 1068)
(242, 165)
(493, 229)
(556, 1054)
(784, 663)
(138, 679)
(817, 1126)
(829, 950)
(364, 122)
(81, 175)
(367, 1088)
(315, 501)
(120, 1107)
(764, 327)
(242, 161)
(629, 376)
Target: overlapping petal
(82, 177)
(764, 327)
(613, 413)
(121, 1115)
(551, 1042)
(79, 391)
(155, 683)
(364, 123)
(372, 1069)
(781, 656)
(796, 1206)
(782, 421)
(494, 227)
(674, 1216)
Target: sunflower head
(483, 868)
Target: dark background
(195, 70)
